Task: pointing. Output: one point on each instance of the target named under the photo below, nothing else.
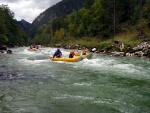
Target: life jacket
(71, 55)
(58, 53)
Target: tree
(10, 30)
(88, 3)
(59, 35)
(3, 39)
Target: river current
(31, 83)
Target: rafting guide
(58, 53)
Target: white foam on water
(76, 66)
(60, 62)
(32, 62)
(82, 84)
(26, 52)
(113, 66)
(95, 63)
(40, 83)
(74, 97)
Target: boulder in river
(9, 51)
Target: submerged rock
(9, 51)
(11, 75)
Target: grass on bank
(130, 38)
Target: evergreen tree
(11, 32)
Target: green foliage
(10, 32)
(59, 35)
(105, 43)
(88, 3)
(3, 39)
(102, 19)
(146, 14)
(55, 14)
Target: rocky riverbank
(118, 48)
(141, 50)
(3, 48)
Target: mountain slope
(59, 10)
(25, 25)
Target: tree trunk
(140, 30)
(51, 30)
(114, 18)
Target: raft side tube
(75, 59)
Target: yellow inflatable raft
(75, 59)
(88, 55)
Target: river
(31, 83)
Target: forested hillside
(10, 32)
(57, 11)
(100, 19)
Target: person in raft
(71, 55)
(84, 50)
(57, 54)
(76, 52)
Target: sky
(28, 9)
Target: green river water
(31, 83)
